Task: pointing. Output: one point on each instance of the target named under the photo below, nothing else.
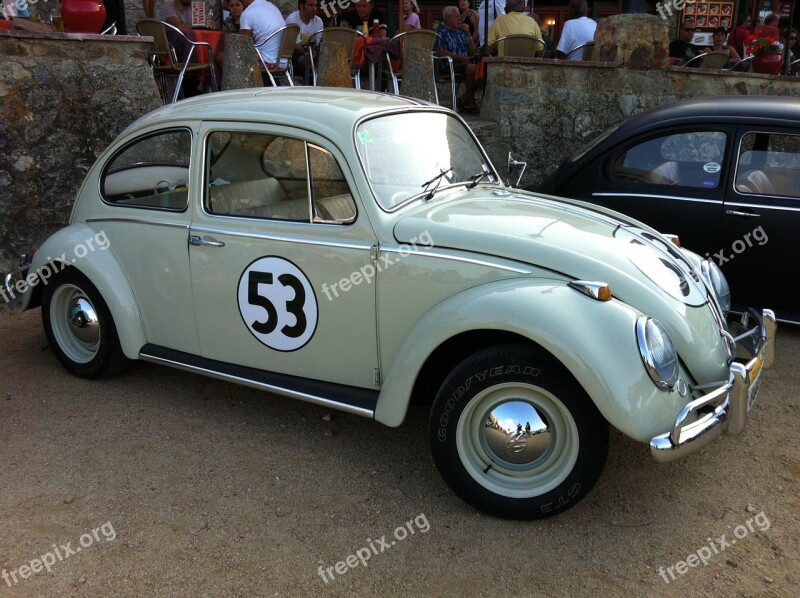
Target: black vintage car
(722, 173)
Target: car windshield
(414, 153)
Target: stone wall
(63, 99)
(544, 110)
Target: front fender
(594, 340)
(102, 269)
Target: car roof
(773, 110)
(297, 106)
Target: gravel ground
(197, 487)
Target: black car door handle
(746, 214)
(198, 241)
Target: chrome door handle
(747, 214)
(198, 240)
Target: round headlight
(719, 284)
(658, 353)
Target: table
(372, 49)
(213, 37)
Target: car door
(146, 186)
(761, 220)
(670, 180)
(276, 245)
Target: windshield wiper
(476, 178)
(437, 179)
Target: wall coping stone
(77, 37)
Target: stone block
(333, 69)
(637, 41)
(418, 79)
(241, 68)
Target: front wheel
(513, 434)
(79, 326)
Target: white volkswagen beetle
(358, 251)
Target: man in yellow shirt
(515, 23)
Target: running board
(352, 399)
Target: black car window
(256, 175)
(769, 164)
(691, 159)
(152, 172)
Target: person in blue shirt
(454, 42)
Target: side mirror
(512, 163)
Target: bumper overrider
(723, 410)
(13, 292)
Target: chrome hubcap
(516, 433)
(501, 452)
(83, 321)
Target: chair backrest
(288, 41)
(715, 60)
(155, 29)
(342, 35)
(588, 51)
(417, 38)
(519, 45)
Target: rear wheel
(79, 326)
(515, 435)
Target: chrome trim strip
(265, 237)
(448, 256)
(656, 196)
(765, 207)
(285, 392)
(140, 221)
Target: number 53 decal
(277, 303)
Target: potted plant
(767, 53)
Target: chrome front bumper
(10, 294)
(723, 410)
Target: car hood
(578, 241)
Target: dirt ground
(197, 487)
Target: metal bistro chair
(310, 74)
(588, 50)
(715, 60)
(418, 38)
(283, 66)
(518, 45)
(110, 30)
(164, 60)
(742, 61)
(347, 37)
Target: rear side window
(769, 164)
(692, 159)
(152, 172)
(257, 175)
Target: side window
(152, 172)
(255, 175)
(691, 159)
(769, 164)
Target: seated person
(364, 12)
(683, 46)
(460, 47)
(578, 30)
(515, 23)
(718, 45)
(231, 22)
(259, 20)
(306, 17)
(177, 13)
(410, 16)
